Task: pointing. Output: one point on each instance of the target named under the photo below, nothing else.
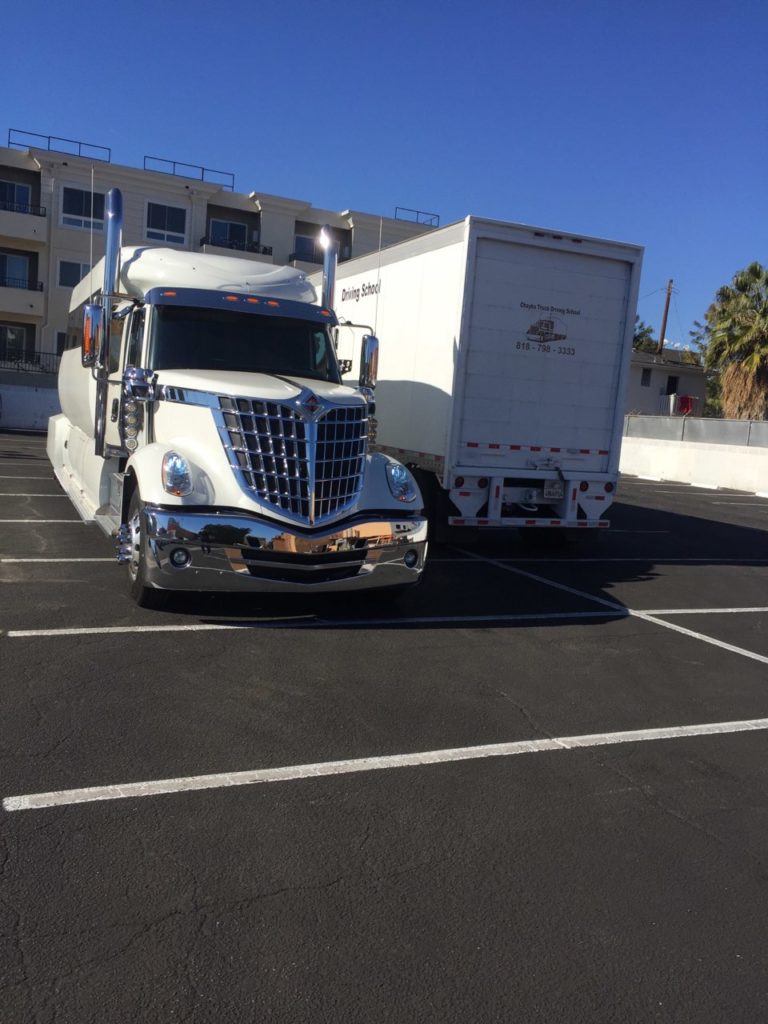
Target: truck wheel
(437, 507)
(144, 596)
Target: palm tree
(737, 335)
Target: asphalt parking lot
(535, 790)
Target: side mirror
(93, 334)
(369, 361)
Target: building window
(304, 249)
(80, 209)
(15, 197)
(14, 270)
(229, 234)
(17, 343)
(72, 273)
(61, 342)
(645, 378)
(672, 385)
(166, 223)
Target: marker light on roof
(272, 302)
(231, 298)
(169, 295)
(253, 301)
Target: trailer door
(544, 354)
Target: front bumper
(235, 552)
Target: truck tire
(143, 595)
(437, 507)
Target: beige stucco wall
(715, 465)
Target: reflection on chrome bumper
(206, 551)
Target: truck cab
(205, 426)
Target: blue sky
(644, 122)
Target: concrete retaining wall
(27, 408)
(719, 465)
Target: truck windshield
(194, 338)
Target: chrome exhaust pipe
(113, 212)
(330, 260)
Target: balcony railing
(19, 139)
(224, 179)
(316, 257)
(35, 362)
(38, 211)
(432, 220)
(21, 282)
(223, 243)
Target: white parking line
(701, 636)
(698, 611)
(651, 559)
(39, 521)
(26, 494)
(14, 476)
(190, 783)
(645, 616)
(47, 561)
(311, 620)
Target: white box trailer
(504, 360)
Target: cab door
(126, 335)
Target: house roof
(669, 357)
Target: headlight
(176, 476)
(400, 482)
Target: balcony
(308, 261)
(248, 250)
(25, 223)
(21, 297)
(35, 362)
(308, 258)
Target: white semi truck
(206, 427)
(505, 355)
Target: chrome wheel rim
(134, 527)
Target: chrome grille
(309, 467)
(342, 436)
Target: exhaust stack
(101, 323)
(330, 259)
(114, 217)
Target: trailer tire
(143, 595)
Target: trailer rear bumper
(205, 551)
(520, 521)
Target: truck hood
(256, 385)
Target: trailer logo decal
(537, 307)
(549, 332)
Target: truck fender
(376, 492)
(144, 470)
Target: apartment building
(52, 232)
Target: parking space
(533, 789)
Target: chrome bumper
(243, 553)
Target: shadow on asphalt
(464, 584)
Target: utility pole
(663, 330)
